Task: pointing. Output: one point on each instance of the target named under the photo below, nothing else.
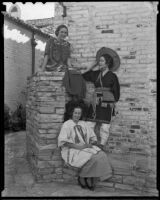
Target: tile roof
(25, 24)
(46, 25)
(41, 22)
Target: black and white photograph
(80, 99)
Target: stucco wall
(18, 61)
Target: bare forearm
(89, 68)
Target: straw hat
(116, 60)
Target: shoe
(80, 183)
(100, 146)
(90, 183)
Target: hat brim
(116, 60)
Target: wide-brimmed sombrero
(116, 60)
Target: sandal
(80, 183)
(90, 183)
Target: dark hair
(59, 28)
(70, 106)
(73, 108)
(109, 60)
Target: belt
(98, 120)
(100, 89)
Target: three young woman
(77, 139)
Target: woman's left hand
(112, 105)
(115, 109)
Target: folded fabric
(77, 158)
(74, 83)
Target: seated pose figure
(78, 149)
(57, 51)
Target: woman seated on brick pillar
(107, 91)
(57, 51)
(78, 149)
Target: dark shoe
(100, 146)
(80, 183)
(90, 183)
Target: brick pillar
(45, 108)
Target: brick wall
(45, 110)
(18, 61)
(133, 167)
(130, 29)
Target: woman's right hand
(86, 69)
(94, 64)
(78, 146)
(87, 146)
(84, 146)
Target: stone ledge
(105, 184)
(123, 187)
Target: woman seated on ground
(78, 148)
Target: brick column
(46, 99)
(45, 108)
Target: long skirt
(97, 166)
